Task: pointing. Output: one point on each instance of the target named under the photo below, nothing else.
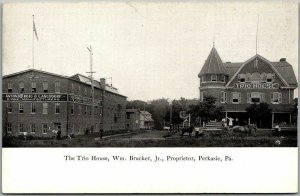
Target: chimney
(283, 60)
(102, 82)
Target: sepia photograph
(180, 90)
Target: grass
(157, 139)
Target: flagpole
(33, 41)
(256, 33)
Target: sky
(150, 49)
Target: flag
(34, 30)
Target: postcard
(150, 97)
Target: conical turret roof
(213, 64)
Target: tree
(206, 110)
(158, 108)
(259, 113)
(136, 104)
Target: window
(269, 77)
(32, 108)
(32, 128)
(276, 97)
(79, 90)
(21, 127)
(223, 98)
(21, 87)
(236, 97)
(9, 127)
(9, 107)
(254, 97)
(128, 115)
(202, 95)
(57, 87)
(242, 77)
(44, 128)
(79, 109)
(85, 91)
(57, 108)
(72, 108)
(213, 78)
(9, 87)
(96, 110)
(21, 108)
(223, 79)
(45, 87)
(33, 87)
(45, 108)
(72, 87)
(73, 129)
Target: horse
(188, 130)
(247, 129)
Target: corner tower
(213, 76)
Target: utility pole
(92, 86)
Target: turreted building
(238, 85)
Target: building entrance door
(57, 126)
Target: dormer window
(269, 77)
(213, 78)
(242, 77)
(223, 79)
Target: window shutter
(225, 98)
(248, 97)
(221, 96)
(240, 98)
(279, 98)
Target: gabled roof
(132, 110)
(35, 70)
(231, 68)
(76, 77)
(263, 59)
(213, 64)
(287, 72)
(85, 79)
(144, 113)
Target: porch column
(290, 118)
(226, 116)
(272, 119)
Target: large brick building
(38, 102)
(237, 85)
